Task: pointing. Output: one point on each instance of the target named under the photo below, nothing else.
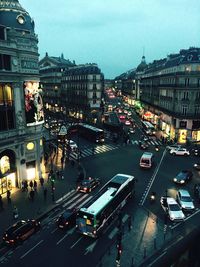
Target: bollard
(132, 262)
(145, 253)
(154, 243)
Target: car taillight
(85, 188)
(66, 223)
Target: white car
(172, 209)
(172, 146)
(179, 151)
(185, 200)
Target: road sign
(63, 130)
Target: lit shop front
(7, 171)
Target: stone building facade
(21, 108)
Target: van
(146, 160)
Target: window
(94, 86)
(187, 81)
(94, 78)
(2, 33)
(5, 62)
(197, 109)
(6, 107)
(184, 109)
(185, 95)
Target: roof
(171, 200)
(83, 69)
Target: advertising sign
(33, 103)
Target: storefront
(7, 171)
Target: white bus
(148, 128)
(97, 213)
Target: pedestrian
(45, 193)
(49, 176)
(15, 212)
(32, 195)
(31, 184)
(8, 196)
(41, 181)
(35, 185)
(23, 189)
(57, 174)
(26, 185)
(1, 203)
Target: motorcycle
(152, 197)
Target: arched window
(4, 164)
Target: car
(73, 146)
(179, 151)
(20, 231)
(143, 144)
(131, 130)
(197, 166)
(169, 147)
(184, 199)
(67, 219)
(172, 208)
(183, 177)
(87, 185)
(127, 122)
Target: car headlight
(175, 179)
(182, 181)
(195, 165)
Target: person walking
(42, 181)
(45, 193)
(1, 203)
(26, 185)
(8, 196)
(31, 184)
(35, 185)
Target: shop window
(4, 164)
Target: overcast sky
(114, 33)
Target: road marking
(125, 218)
(76, 242)
(90, 248)
(152, 179)
(24, 255)
(113, 233)
(62, 239)
(54, 230)
(84, 202)
(67, 203)
(65, 196)
(75, 203)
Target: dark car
(87, 185)
(183, 177)
(67, 219)
(20, 231)
(143, 145)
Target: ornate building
(81, 92)
(51, 70)
(171, 94)
(21, 108)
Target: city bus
(148, 128)
(91, 133)
(95, 215)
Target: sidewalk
(147, 235)
(28, 209)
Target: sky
(114, 33)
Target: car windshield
(146, 161)
(86, 182)
(181, 175)
(186, 199)
(174, 207)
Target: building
(51, 70)
(21, 122)
(171, 95)
(81, 92)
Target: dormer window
(190, 57)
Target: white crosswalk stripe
(149, 142)
(86, 152)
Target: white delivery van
(146, 160)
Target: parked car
(183, 177)
(172, 209)
(169, 147)
(179, 151)
(67, 219)
(20, 231)
(197, 166)
(87, 185)
(184, 199)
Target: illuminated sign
(33, 103)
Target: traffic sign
(63, 130)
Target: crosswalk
(89, 151)
(149, 142)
